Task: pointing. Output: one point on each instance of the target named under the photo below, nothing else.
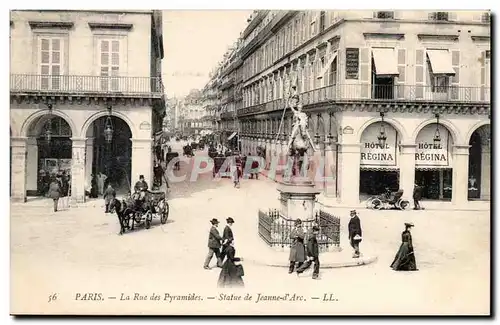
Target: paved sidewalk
(328, 202)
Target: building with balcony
(86, 97)
(196, 119)
(394, 97)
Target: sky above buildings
(194, 42)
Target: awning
(386, 62)
(327, 65)
(232, 135)
(440, 62)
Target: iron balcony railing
(382, 93)
(87, 85)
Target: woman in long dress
(405, 257)
(229, 274)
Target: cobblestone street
(78, 250)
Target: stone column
(78, 171)
(460, 171)
(407, 169)
(31, 165)
(485, 171)
(349, 165)
(330, 169)
(268, 151)
(89, 157)
(142, 160)
(18, 166)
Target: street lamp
(48, 129)
(108, 127)
(437, 135)
(382, 138)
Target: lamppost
(48, 125)
(108, 137)
(382, 138)
(437, 135)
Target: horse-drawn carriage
(388, 200)
(134, 210)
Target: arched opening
(379, 164)
(433, 162)
(479, 164)
(48, 154)
(108, 162)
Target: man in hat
(312, 253)
(355, 233)
(214, 244)
(417, 196)
(141, 186)
(227, 237)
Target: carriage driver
(142, 187)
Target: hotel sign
(428, 154)
(372, 154)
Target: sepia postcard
(250, 162)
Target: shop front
(433, 162)
(379, 165)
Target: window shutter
(455, 80)
(401, 80)
(432, 16)
(375, 14)
(452, 16)
(419, 73)
(365, 71)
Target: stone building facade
(74, 73)
(418, 81)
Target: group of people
(222, 247)
(97, 185)
(304, 250)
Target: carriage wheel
(377, 204)
(164, 214)
(404, 204)
(148, 219)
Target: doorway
(436, 183)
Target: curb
(332, 265)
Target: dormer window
(486, 17)
(439, 16)
(384, 14)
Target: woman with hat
(232, 271)
(405, 257)
(227, 237)
(297, 249)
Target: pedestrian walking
(417, 196)
(234, 174)
(227, 237)
(355, 233)
(158, 173)
(55, 192)
(214, 245)
(109, 196)
(231, 273)
(312, 254)
(297, 249)
(405, 257)
(101, 179)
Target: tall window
(50, 62)
(110, 65)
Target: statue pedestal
(297, 199)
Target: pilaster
(460, 174)
(89, 157)
(142, 160)
(407, 169)
(485, 171)
(78, 170)
(18, 169)
(330, 169)
(349, 182)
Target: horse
(123, 213)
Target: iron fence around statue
(275, 229)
